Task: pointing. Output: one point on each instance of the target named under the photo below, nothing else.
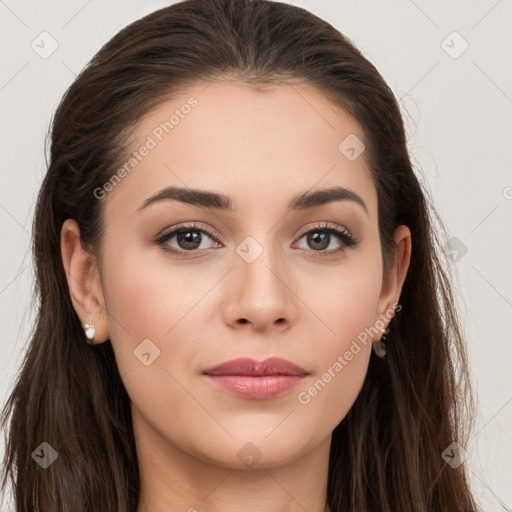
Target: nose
(259, 295)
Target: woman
(242, 303)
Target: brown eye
(189, 239)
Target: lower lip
(248, 386)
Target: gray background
(457, 109)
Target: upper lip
(247, 366)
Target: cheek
(346, 306)
(146, 296)
(158, 309)
(341, 367)
(344, 301)
(150, 314)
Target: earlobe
(82, 275)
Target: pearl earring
(90, 331)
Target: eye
(321, 237)
(189, 238)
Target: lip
(247, 366)
(256, 380)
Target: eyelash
(346, 238)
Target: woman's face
(264, 278)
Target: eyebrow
(214, 200)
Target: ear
(393, 282)
(84, 282)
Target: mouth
(251, 379)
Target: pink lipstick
(249, 378)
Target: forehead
(256, 144)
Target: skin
(261, 147)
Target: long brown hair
(386, 454)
